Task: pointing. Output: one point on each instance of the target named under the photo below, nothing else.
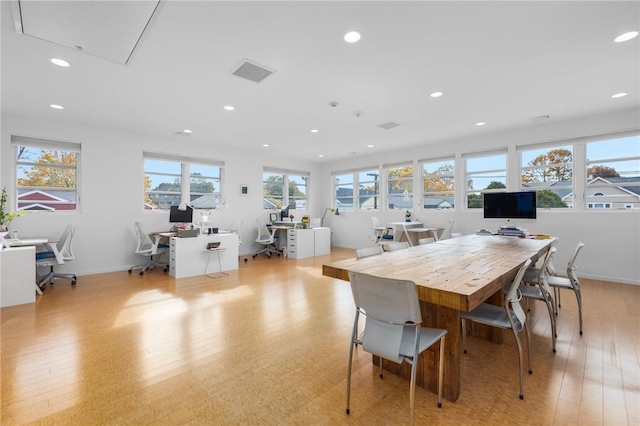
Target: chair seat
(45, 255)
(428, 336)
(560, 282)
(491, 315)
(531, 275)
(163, 246)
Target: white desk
(188, 256)
(17, 275)
(302, 243)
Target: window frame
(479, 155)
(434, 194)
(186, 175)
(286, 182)
(48, 205)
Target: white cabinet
(322, 241)
(302, 243)
(17, 276)
(188, 256)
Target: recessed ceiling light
(352, 36)
(188, 131)
(229, 107)
(369, 146)
(626, 36)
(436, 94)
(619, 95)
(321, 155)
(59, 62)
(54, 106)
(480, 123)
(314, 130)
(265, 145)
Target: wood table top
(458, 273)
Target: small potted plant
(407, 216)
(291, 217)
(5, 216)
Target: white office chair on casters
(149, 248)
(427, 240)
(265, 238)
(392, 328)
(510, 316)
(378, 229)
(59, 253)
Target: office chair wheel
(73, 282)
(130, 270)
(245, 259)
(141, 272)
(254, 256)
(165, 269)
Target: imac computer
(179, 216)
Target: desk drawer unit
(300, 243)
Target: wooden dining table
(451, 276)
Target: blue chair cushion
(45, 255)
(163, 246)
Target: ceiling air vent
(389, 125)
(251, 71)
(540, 118)
(182, 133)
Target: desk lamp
(325, 213)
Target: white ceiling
(497, 62)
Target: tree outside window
(550, 173)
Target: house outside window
(399, 186)
(548, 171)
(613, 172)
(46, 174)
(485, 172)
(276, 183)
(438, 184)
(169, 180)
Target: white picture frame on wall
(244, 190)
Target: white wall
(612, 238)
(111, 191)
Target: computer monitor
(179, 216)
(510, 205)
(284, 213)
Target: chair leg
(354, 337)
(554, 332)
(412, 389)
(578, 293)
(515, 333)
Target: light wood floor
(268, 345)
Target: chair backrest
(446, 234)
(237, 229)
(397, 246)
(571, 267)
(375, 222)
(144, 244)
(513, 297)
(423, 241)
(544, 272)
(264, 235)
(388, 305)
(65, 243)
(369, 251)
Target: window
(343, 185)
(358, 190)
(399, 186)
(170, 179)
(484, 173)
(613, 173)
(46, 174)
(438, 184)
(549, 171)
(275, 183)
